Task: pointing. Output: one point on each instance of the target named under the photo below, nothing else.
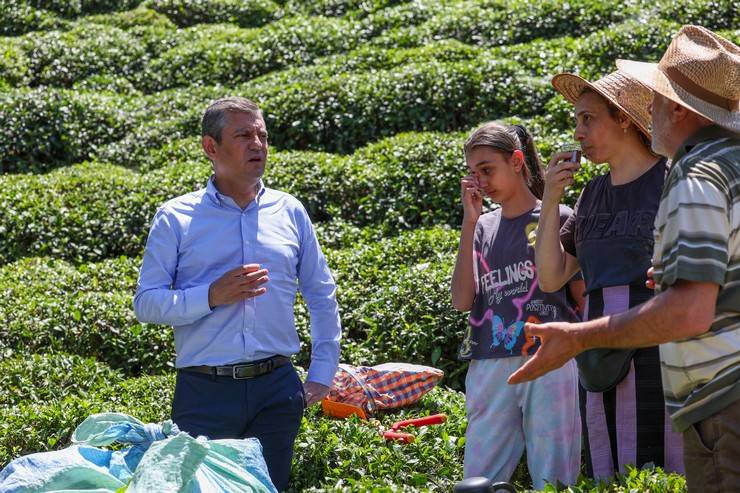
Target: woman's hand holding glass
(559, 174)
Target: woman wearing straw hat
(609, 237)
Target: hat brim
(570, 86)
(651, 76)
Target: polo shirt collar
(711, 132)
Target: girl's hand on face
(472, 198)
(558, 175)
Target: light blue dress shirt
(196, 238)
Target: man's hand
(315, 392)
(559, 343)
(650, 283)
(237, 285)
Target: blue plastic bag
(160, 458)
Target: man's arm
(155, 300)
(684, 310)
(319, 290)
(690, 260)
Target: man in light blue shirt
(222, 266)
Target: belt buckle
(234, 372)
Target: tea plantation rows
(367, 103)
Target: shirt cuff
(321, 372)
(197, 301)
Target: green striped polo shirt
(697, 238)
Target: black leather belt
(241, 371)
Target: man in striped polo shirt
(695, 316)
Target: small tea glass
(575, 151)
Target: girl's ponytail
(536, 177)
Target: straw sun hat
(619, 89)
(700, 70)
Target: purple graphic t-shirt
(507, 291)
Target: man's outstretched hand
(559, 342)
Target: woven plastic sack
(386, 386)
(160, 458)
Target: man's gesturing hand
(559, 343)
(237, 285)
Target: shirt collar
(218, 198)
(710, 132)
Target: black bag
(600, 369)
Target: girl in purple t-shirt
(496, 279)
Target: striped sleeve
(694, 228)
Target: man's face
(242, 152)
(661, 116)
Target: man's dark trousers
(268, 407)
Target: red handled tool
(394, 434)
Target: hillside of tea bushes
(367, 103)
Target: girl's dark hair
(508, 138)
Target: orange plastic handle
(341, 410)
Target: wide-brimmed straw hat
(700, 70)
(618, 88)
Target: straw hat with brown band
(700, 70)
(619, 89)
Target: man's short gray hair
(214, 119)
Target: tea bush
(229, 55)
(39, 378)
(87, 310)
(185, 13)
(46, 129)
(75, 8)
(19, 17)
(400, 183)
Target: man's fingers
(254, 283)
(535, 330)
(242, 270)
(252, 293)
(528, 371)
(650, 283)
(253, 276)
(239, 271)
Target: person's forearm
(319, 292)
(675, 314)
(172, 307)
(463, 282)
(550, 258)
(326, 333)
